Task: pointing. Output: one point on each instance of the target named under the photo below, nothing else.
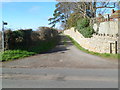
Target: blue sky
(27, 14)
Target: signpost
(3, 39)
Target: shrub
(7, 37)
(82, 23)
(18, 36)
(84, 28)
(17, 39)
(87, 31)
(23, 43)
(46, 33)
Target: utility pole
(3, 38)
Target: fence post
(3, 36)
(110, 47)
(115, 47)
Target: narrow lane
(64, 55)
(63, 67)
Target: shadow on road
(62, 45)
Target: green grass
(14, 54)
(105, 55)
(1, 55)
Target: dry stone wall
(98, 43)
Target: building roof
(116, 14)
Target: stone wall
(108, 27)
(98, 43)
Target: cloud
(34, 9)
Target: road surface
(64, 66)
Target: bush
(23, 43)
(43, 46)
(17, 39)
(46, 33)
(83, 23)
(87, 31)
(84, 28)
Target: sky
(24, 15)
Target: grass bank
(15, 54)
(105, 55)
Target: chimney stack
(113, 11)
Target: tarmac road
(63, 67)
(59, 78)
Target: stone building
(115, 16)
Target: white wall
(110, 27)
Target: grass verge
(14, 54)
(105, 55)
